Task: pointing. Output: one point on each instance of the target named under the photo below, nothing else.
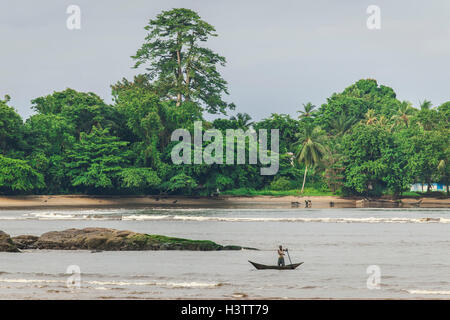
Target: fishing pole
(287, 251)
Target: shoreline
(257, 202)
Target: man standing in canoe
(281, 256)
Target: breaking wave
(7, 280)
(158, 284)
(201, 218)
(433, 292)
(104, 284)
(288, 219)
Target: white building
(423, 187)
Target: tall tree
(310, 148)
(428, 148)
(355, 100)
(96, 160)
(81, 109)
(18, 175)
(426, 105)
(11, 129)
(242, 120)
(404, 113)
(183, 69)
(287, 126)
(341, 124)
(308, 111)
(48, 137)
(375, 161)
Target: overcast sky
(280, 53)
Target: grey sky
(280, 53)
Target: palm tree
(243, 120)
(404, 112)
(425, 105)
(382, 121)
(308, 111)
(311, 149)
(341, 124)
(371, 118)
(425, 116)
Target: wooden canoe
(286, 267)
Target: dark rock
(103, 239)
(232, 248)
(88, 239)
(25, 241)
(6, 243)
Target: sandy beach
(70, 201)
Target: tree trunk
(188, 83)
(180, 73)
(304, 179)
(179, 78)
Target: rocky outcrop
(6, 243)
(25, 241)
(104, 239)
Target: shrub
(281, 184)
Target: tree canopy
(179, 66)
(361, 141)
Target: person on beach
(281, 256)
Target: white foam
(178, 216)
(159, 284)
(66, 216)
(287, 219)
(434, 292)
(144, 217)
(30, 280)
(101, 284)
(51, 216)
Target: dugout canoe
(264, 267)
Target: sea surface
(347, 253)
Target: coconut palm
(425, 105)
(308, 111)
(310, 148)
(426, 117)
(371, 118)
(382, 121)
(243, 120)
(341, 124)
(405, 111)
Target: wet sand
(70, 201)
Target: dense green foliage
(181, 67)
(362, 140)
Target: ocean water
(408, 249)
